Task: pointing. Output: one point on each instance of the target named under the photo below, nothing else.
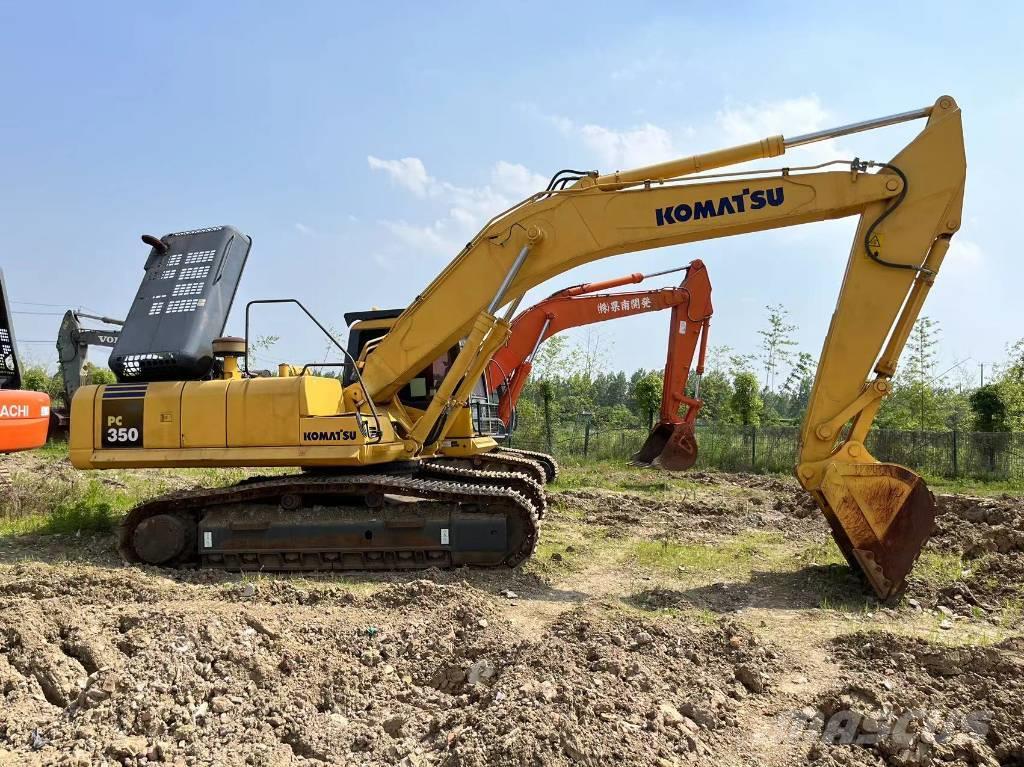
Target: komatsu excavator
(371, 499)
(24, 415)
(672, 443)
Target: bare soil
(739, 638)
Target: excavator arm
(73, 342)
(510, 368)
(672, 443)
(908, 210)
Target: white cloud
(303, 229)
(648, 143)
(469, 208)
(617, 149)
(790, 117)
(964, 260)
(516, 180)
(755, 121)
(644, 145)
(435, 238)
(408, 172)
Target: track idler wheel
(164, 539)
(669, 446)
(881, 516)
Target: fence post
(753, 448)
(545, 388)
(955, 457)
(586, 438)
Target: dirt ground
(703, 619)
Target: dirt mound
(414, 674)
(910, 702)
(691, 518)
(988, 534)
(975, 526)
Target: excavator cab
(367, 327)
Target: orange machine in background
(24, 415)
(24, 420)
(671, 444)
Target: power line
(36, 303)
(39, 314)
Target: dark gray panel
(181, 306)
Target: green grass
(734, 556)
(620, 476)
(568, 548)
(824, 553)
(49, 497)
(976, 486)
(95, 512)
(92, 508)
(54, 450)
(939, 568)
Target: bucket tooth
(881, 516)
(669, 446)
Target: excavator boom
(672, 444)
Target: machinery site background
(773, 449)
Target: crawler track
(547, 461)
(340, 522)
(500, 460)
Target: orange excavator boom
(580, 305)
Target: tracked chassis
(436, 516)
(540, 467)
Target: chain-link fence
(973, 455)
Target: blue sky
(361, 145)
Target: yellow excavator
(383, 486)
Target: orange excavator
(24, 415)
(671, 444)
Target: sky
(361, 146)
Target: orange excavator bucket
(881, 515)
(669, 446)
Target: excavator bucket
(881, 516)
(670, 446)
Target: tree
(648, 395)
(776, 343)
(923, 344)
(916, 402)
(988, 409)
(716, 393)
(36, 378)
(746, 402)
(593, 353)
(796, 390)
(97, 375)
(1010, 379)
(259, 345)
(555, 358)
